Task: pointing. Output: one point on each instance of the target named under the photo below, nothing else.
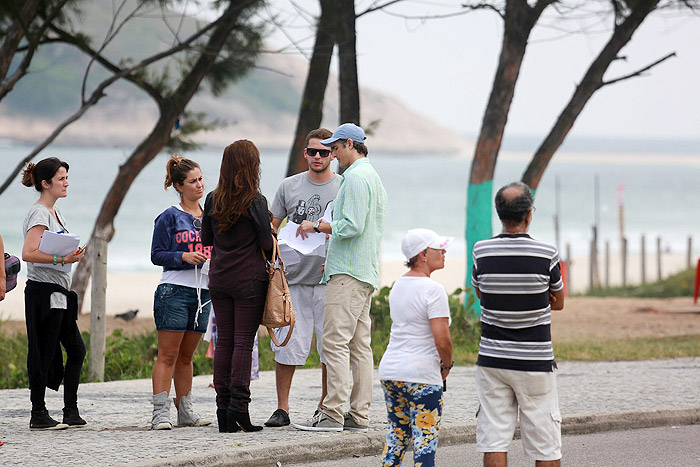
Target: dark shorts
(175, 309)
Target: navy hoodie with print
(173, 234)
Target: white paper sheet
(59, 244)
(289, 255)
(312, 245)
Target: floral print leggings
(414, 411)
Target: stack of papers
(59, 244)
(292, 246)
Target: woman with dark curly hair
(237, 223)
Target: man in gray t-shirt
(304, 196)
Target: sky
(444, 68)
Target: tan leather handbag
(278, 311)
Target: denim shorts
(175, 307)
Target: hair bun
(28, 175)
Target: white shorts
(308, 313)
(503, 394)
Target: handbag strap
(275, 252)
(271, 332)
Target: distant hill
(262, 106)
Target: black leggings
(58, 326)
(238, 314)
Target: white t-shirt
(411, 355)
(40, 215)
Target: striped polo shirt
(515, 274)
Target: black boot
(224, 427)
(241, 419)
(71, 417)
(41, 420)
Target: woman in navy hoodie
(181, 302)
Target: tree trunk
(592, 81)
(311, 109)
(170, 111)
(519, 21)
(347, 63)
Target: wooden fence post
(569, 268)
(624, 261)
(689, 259)
(658, 258)
(594, 275)
(644, 260)
(607, 264)
(96, 364)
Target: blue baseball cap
(346, 131)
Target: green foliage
(191, 123)
(678, 285)
(642, 348)
(13, 371)
(237, 57)
(125, 358)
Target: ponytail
(176, 170)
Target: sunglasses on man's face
(321, 152)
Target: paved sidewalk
(593, 397)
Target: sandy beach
(135, 290)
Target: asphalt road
(649, 447)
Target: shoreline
(128, 291)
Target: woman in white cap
(419, 355)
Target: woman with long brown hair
(236, 222)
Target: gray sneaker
(319, 422)
(161, 412)
(186, 416)
(350, 424)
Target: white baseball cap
(417, 240)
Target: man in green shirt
(352, 274)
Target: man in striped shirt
(352, 274)
(519, 282)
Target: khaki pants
(346, 341)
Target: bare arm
(31, 253)
(556, 300)
(443, 342)
(276, 224)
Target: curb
(360, 444)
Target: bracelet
(63, 260)
(54, 260)
(445, 367)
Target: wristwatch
(316, 225)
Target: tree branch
(484, 6)
(378, 7)
(112, 32)
(98, 93)
(638, 72)
(67, 38)
(32, 43)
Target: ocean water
(661, 196)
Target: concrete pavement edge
(362, 444)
